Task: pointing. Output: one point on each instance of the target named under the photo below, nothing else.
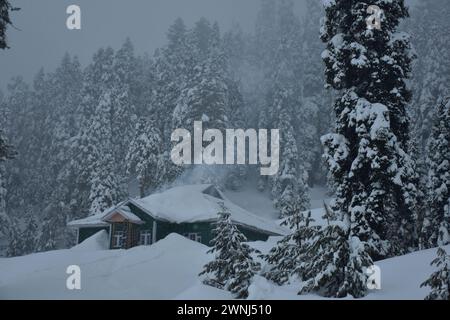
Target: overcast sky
(42, 36)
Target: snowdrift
(169, 270)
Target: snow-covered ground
(169, 270)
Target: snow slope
(160, 271)
(169, 270)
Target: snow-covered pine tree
(439, 281)
(15, 240)
(283, 105)
(316, 110)
(123, 110)
(145, 157)
(431, 38)
(105, 186)
(5, 20)
(98, 183)
(336, 263)
(205, 96)
(65, 86)
(289, 185)
(30, 235)
(368, 155)
(287, 258)
(436, 224)
(233, 266)
(6, 153)
(173, 66)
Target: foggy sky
(43, 38)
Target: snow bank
(161, 271)
(99, 241)
(169, 270)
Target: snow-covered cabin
(189, 210)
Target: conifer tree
(337, 263)
(288, 257)
(5, 20)
(368, 155)
(145, 157)
(6, 153)
(439, 281)
(30, 235)
(436, 224)
(233, 266)
(15, 240)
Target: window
(194, 236)
(118, 239)
(145, 238)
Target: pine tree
(287, 258)
(123, 109)
(233, 266)
(289, 184)
(105, 187)
(429, 30)
(5, 20)
(55, 157)
(206, 94)
(6, 153)
(439, 281)
(436, 225)
(15, 246)
(144, 156)
(368, 155)
(337, 263)
(283, 107)
(94, 164)
(316, 113)
(30, 235)
(173, 66)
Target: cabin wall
(163, 229)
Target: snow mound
(98, 241)
(161, 271)
(260, 289)
(202, 292)
(169, 270)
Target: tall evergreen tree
(6, 153)
(5, 20)
(431, 37)
(436, 225)
(173, 66)
(316, 114)
(368, 154)
(145, 157)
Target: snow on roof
(125, 212)
(185, 204)
(195, 203)
(91, 221)
(96, 220)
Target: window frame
(118, 238)
(147, 234)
